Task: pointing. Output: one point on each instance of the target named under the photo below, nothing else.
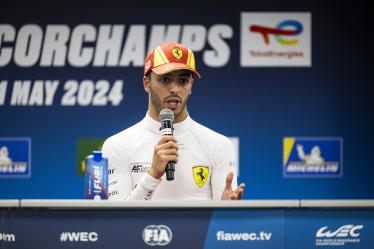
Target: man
(205, 161)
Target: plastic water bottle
(96, 176)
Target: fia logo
(159, 235)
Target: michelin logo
(6, 164)
(15, 157)
(312, 157)
(4, 156)
(345, 234)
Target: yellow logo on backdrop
(200, 174)
(177, 52)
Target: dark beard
(157, 102)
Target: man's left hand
(228, 193)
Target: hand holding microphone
(166, 119)
(165, 154)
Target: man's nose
(174, 87)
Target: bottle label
(96, 182)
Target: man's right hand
(166, 150)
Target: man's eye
(165, 80)
(184, 81)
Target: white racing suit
(204, 160)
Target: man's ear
(146, 84)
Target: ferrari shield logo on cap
(200, 174)
(177, 52)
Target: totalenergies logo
(285, 28)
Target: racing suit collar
(154, 126)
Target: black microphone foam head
(166, 115)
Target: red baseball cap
(169, 57)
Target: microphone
(166, 119)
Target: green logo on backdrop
(85, 147)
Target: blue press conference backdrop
(261, 105)
(182, 228)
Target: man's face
(170, 91)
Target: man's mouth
(173, 104)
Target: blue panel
(330, 228)
(106, 228)
(246, 229)
(261, 106)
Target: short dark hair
(148, 75)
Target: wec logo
(341, 232)
(79, 237)
(346, 234)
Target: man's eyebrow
(185, 74)
(164, 75)
(178, 75)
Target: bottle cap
(97, 155)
